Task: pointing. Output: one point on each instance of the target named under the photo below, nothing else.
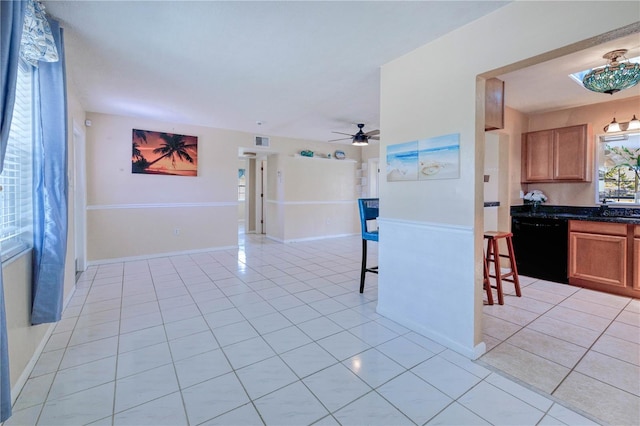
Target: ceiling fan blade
(374, 138)
(373, 133)
(341, 139)
(340, 133)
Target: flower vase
(534, 207)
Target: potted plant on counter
(535, 198)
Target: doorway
(373, 172)
(261, 195)
(79, 199)
(252, 186)
(242, 191)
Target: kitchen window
(16, 183)
(619, 169)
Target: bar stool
(486, 283)
(493, 255)
(369, 208)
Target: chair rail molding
(161, 205)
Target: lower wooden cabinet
(605, 256)
(636, 259)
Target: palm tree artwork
(164, 153)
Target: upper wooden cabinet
(493, 104)
(557, 155)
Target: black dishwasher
(541, 247)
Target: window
(16, 194)
(619, 168)
(241, 184)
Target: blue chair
(368, 211)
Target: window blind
(16, 183)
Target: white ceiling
(301, 68)
(547, 86)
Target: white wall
(431, 231)
(133, 215)
(315, 198)
(23, 338)
(491, 189)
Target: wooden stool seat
(493, 255)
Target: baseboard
(471, 353)
(299, 240)
(156, 255)
(22, 380)
(323, 237)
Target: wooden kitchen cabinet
(557, 155)
(636, 259)
(493, 104)
(605, 256)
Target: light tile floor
(277, 334)
(578, 345)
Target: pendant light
(634, 124)
(614, 126)
(617, 75)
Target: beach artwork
(425, 159)
(402, 161)
(160, 153)
(439, 157)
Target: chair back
(368, 211)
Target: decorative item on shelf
(614, 126)
(618, 74)
(535, 198)
(340, 155)
(306, 153)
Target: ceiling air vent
(262, 141)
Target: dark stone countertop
(594, 214)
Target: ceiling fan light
(634, 124)
(613, 77)
(360, 139)
(614, 126)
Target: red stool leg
(514, 268)
(486, 281)
(495, 258)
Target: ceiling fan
(361, 138)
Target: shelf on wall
(346, 160)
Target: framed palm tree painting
(159, 153)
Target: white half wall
(417, 291)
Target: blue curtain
(11, 18)
(50, 194)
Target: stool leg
(363, 270)
(487, 281)
(514, 268)
(496, 268)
